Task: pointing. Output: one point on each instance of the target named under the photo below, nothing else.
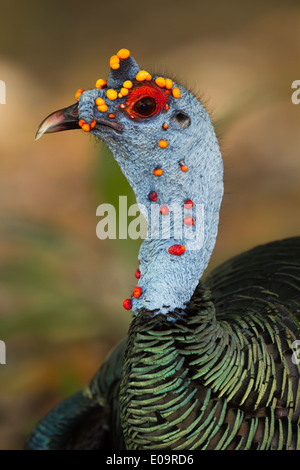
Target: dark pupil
(145, 107)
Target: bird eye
(145, 107)
(182, 119)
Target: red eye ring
(145, 101)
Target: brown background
(61, 288)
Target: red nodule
(137, 274)
(188, 204)
(176, 250)
(137, 292)
(164, 210)
(188, 221)
(153, 196)
(127, 304)
(183, 168)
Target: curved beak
(61, 120)
(67, 118)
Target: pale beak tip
(38, 134)
(44, 127)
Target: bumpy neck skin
(169, 158)
(168, 280)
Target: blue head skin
(133, 127)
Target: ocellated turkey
(209, 362)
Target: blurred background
(61, 288)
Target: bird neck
(182, 211)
